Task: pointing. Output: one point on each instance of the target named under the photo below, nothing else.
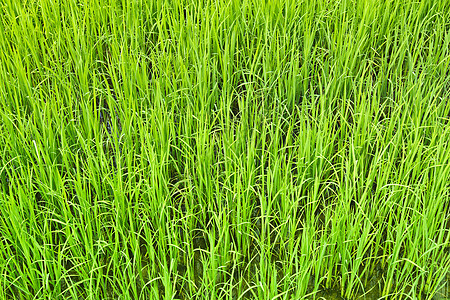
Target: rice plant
(248, 149)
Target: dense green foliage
(193, 149)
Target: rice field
(208, 149)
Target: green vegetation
(188, 149)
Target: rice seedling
(224, 149)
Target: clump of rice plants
(224, 149)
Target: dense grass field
(251, 149)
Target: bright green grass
(224, 149)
